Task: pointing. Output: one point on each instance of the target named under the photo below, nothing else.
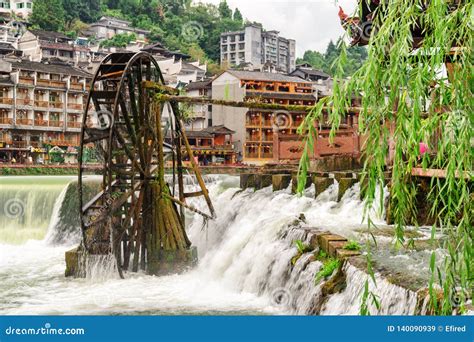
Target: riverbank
(52, 170)
(37, 170)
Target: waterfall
(245, 257)
(27, 205)
(250, 245)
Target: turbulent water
(245, 257)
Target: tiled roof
(49, 35)
(265, 76)
(63, 69)
(198, 85)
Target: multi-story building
(201, 114)
(254, 137)
(254, 48)
(107, 27)
(21, 8)
(212, 145)
(41, 46)
(41, 106)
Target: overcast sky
(313, 23)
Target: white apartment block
(21, 8)
(254, 48)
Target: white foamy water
(244, 264)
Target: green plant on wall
(410, 91)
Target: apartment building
(20, 8)
(41, 106)
(201, 114)
(107, 27)
(255, 129)
(41, 46)
(254, 48)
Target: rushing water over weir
(245, 257)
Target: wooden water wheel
(123, 139)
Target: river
(244, 256)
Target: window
(20, 5)
(29, 5)
(5, 5)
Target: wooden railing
(43, 104)
(74, 124)
(27, 122)
(57, 105)
(75, 106)
(6, 121)
(77, 86)
(51, 83)
(64, 143)
(6, 100)
(19, 144)
(54, 123)
(42, 123)
(24, 102)
(26, 80)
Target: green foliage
(302, 247)
(352, 246)
(119, 40)
(328, 268)
(48, 15)
(356, 55)
(404, 87)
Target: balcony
(41, 123)
(77, 86)
(54, 123)
(56, 105)
(75, 106)
(64, 143)
(74, 124)
(26, 80)
(24, 122)
(42, 104)
(51, 83)
(36, 144)
(19, 144)
(24, 102)
(6, 121)
(6, 101)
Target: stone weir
(282, 179)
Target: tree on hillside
(48, 15)
(238, 16)
(85, 10)
(224, 10)
(356, 55)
